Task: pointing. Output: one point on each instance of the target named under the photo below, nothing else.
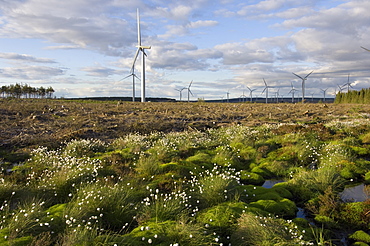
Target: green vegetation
(191, 187)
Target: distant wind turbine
(303, 83)
(180, 90)
(266, 90)
(348, 84)
(227, 96)
(324, 91)
(292, 91)
(251, 93)
(133, 81)
(340, 88)
(140, 48)
(277, 95)
(189, 91)
(243, 97)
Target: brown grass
(27, 123)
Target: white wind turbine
(303, 83)
(266, 89)
(227, 96)
(293, 90)
(140, 48)
(348, 84)
(243, 97)
(180, 90)
(324, 91)
(251, 93)
(189, 91)
(133, 81)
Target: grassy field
(111, 173)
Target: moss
(353, 215)
(166, 233)
(359, 244)
(360, 236)
(263, 172)
(222, 217)
(251, 178)
(279, 189)
(201, 159)
(326, 221)
(367, 178)
(285, 207)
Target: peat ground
(28, 123)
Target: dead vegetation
(27, 123)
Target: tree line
(26, 91)
(362, 96)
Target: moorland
(176, 173)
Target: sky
(85, 48)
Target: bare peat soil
(29, 123)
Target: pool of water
(271, 182)
(354, 194)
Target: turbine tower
(251, 93)
(180, 90)
(293, 90)
(324, 91)
(303, 83)
(140, 48)
(133, 81)
(266, 89)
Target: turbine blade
(191, 92)
(265, 82)
(136, 76)
(365, 49)
(190, 83)
(138, 28)
(308, 75)
(297, 75)
(126, 77)
(135, 57)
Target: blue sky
(84, 48)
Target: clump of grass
(257, 230)
(84, 147)
(215, 186)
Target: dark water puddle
(354, 194)
(271, 182)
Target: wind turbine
(251, 93)
(189, 91)
(340, 88)
(227, 96)
(140, 48)
(266, 89)
(303, 83)
(293, 90)
(180, 90)
(348, 84)
(243, 97)
(324, 91)
(133, 82)
(277, 95)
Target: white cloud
(25, 58)
(30, 72)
